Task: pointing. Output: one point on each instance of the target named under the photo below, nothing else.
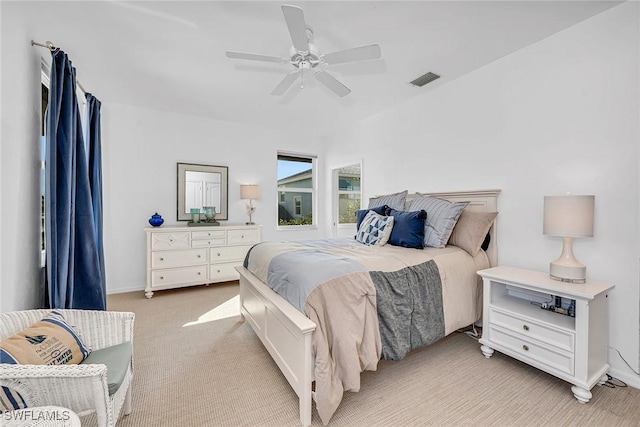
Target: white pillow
(375, 229)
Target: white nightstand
(571, 348)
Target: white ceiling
(170, 55)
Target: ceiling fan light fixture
(424, 79)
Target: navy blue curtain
(75, 278)
(94, 148)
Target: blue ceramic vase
(156, 220)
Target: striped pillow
(10, 400)
(442, 216)
(394, 201)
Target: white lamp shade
(249, 191)
(568, 216)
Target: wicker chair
(81, 388)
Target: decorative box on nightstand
(573, 348)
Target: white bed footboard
(285, 333)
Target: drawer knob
(161, 259)
(525, 327)
(218, 253)
(199, 256)
(161, 277)
(218, 271)
(525, 347)
(199, 273)
(208, 243)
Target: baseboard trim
(125, 290)
(630, 378)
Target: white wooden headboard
(481, 201)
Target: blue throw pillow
(360, 214)
(408, 228)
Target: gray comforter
(409, 306)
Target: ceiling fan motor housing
(305, 59)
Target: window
(297, 205)
(348, 193)
(296, 189)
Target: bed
(304, 329)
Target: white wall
(21, 283)
(560, 115)
(141, 148)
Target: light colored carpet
(196, 365)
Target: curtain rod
(51, 47)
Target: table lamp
(250, 192)
(568, 216)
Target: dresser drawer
(527, 350)
(208, 243)
(243, 237)
(208, 235)
(180, 276)
(168, 259)
(533, 329)
(229, 253)
(161, 241)
(224, 272)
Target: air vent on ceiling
(423, 80)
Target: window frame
(340, 192)
(312, 159)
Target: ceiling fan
(305, 56)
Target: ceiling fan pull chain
(301, 67)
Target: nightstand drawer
(229, 253)
(528, 350)
(224, 272)
(243, 237)
(529, 328)
(168, 259)
(176, 276)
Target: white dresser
(573, 348)
(184, 256)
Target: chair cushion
(51, 341)
(117, 359)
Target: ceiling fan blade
(285, 83)
(351, 55)
(297, 27)
(255, 57)
(329, 81)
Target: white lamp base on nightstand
(567, 268)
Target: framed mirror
(202, 185)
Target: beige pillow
(51, 341)
(471, 229)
